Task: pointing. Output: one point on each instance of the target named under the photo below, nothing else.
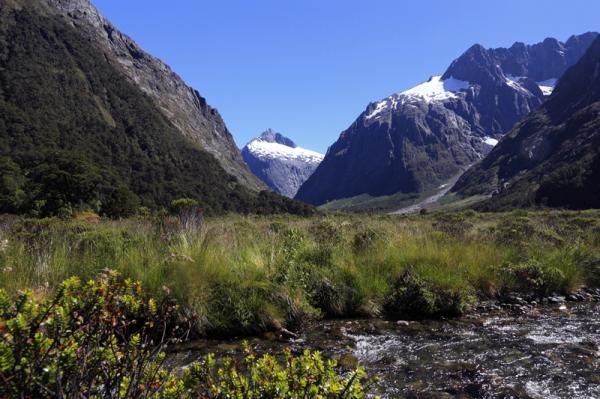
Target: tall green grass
(242, 274)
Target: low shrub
(335, 298)
(96, 241)
(97, 339)
(520, 213)
(277, 226)
(411, 298)
(104, 339)
(189, 212)
(320, 256)
(87, 217)
(327, 231)
(591, 269)
(307, 375)
(243, 307)
(515, 231)
(595, 236)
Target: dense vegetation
(104, 339)
(76, 135)
(80, 329)
(250, 274)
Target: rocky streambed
(512, 349)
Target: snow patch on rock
(490, 141)
(265, 149)
(514, 82)
(435, 89)
(547, 86)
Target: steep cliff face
(183, 106)
(543, 61)
(279, 162)
(552, 157)
(418, 139)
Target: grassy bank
(245, 275)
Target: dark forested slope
(75, 133)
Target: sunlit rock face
(420, 138)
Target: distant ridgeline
(551, 157)
(76, 133)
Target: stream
(548, 352)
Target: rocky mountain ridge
(552, 157)
(418, 139)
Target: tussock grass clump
(427, 294)
(244, 274)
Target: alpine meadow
(446, 244)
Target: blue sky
(308, 68)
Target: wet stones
(513, 299)
(488, 306)
(491, 308)
(523, 303)
(555, 300)
(592, 294)
(593, 291)
(587, 349)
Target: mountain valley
(417, 140)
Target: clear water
(544, 354)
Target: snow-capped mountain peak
(271, 136)
(271, 144)
(434, 90)
(265, 149)
(279, 162)
(420, 138)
